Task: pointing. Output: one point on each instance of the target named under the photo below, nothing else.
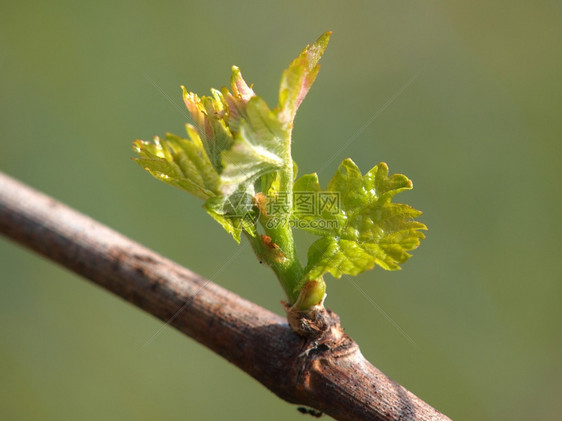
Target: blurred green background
(466, 99)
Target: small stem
(280, 254)
(287, 266)
(277, 247)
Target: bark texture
(327, 373)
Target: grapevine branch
(331, 376)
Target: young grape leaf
(259, 147)
(180, 162)
(369, 229)
(298, 78)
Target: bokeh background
(463, 97)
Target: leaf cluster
(237, 158)
(238, 146)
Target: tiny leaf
(299, 77)
(180, 162)
(259, 147)
(370, 229)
